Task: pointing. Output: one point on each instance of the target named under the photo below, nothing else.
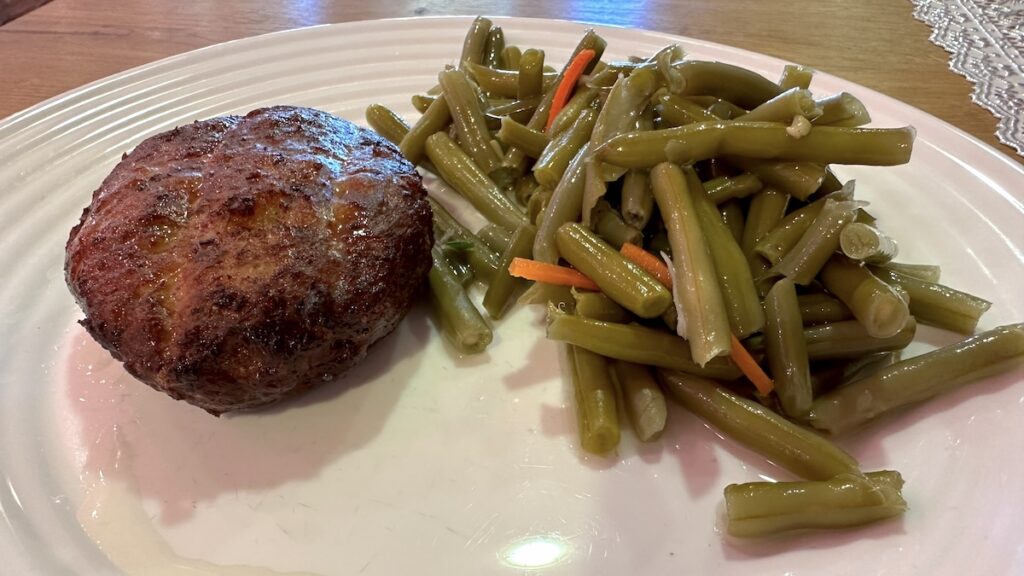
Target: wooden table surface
(877, 43)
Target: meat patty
(239, 260)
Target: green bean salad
(681, 221)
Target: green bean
(605, 77)
(830, 184)
(622, 109)
(510, 57)
(436, 118)
(665, 61)
(610, 226)
(695, 285)
(679, 111)
(560, 297)
(531, 74)
(866, 243)
(525, 188)
(787, 350)
(463, 271)
(901, 292)
(637, 199)
(798, 179)
(842, 340)
(643, 399)
(537, 206)
(494, 47)
(733, 83)
(782, 108)
(780, 240)
(847, 500)
(936, 304)
(869, 364)
(873, 303)
(504, 285)
(459, 171)
(460, 321)
(475, 43)
(422, 101)
(721, 109)
(919, 378)
(617, 68)
(767, 208)
(830, 374)
(794, 76)
(496, 237)
(622, 280)
(594, 189)
(645, 120)
(624, 104)
(514, 157)
(495, 82)
(671, 53)
(506, 107)
(728, 187)
(742, 302)
(581, 100)
(842, 109)
(865, 217)
(731, 212)
(518, 110)
(849, 339)
(590, 41)
(597, 306)
(481, 257)
(765, 140)
(818, 307)
(827, 375)
(784, 443)
(926, 272)
(816, 246)
(506, 83)
(596, 410)
(564, 206)
(531, 141)
(386, 123)
(468, 118)
(556, 156)
(670, 318)
(634, 343)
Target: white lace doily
(986, 40)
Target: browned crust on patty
(238, 260)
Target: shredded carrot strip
(750, 367)
(649, 262)
(572, 75)
(550, 274)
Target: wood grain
(876, 43)
(11, 9)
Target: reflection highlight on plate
(538, 551)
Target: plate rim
(900, 106)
